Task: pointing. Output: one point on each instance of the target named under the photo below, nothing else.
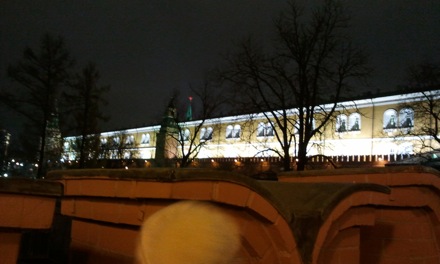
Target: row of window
(232, 131)
(392, 119)
(129, 140)
(404, 118)
(350, 123)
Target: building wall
(371, 139)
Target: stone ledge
(31, 187)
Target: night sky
(146, 49)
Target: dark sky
(145, 49)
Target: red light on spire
(190, 98)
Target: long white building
(370, 126)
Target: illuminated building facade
(5, 138)
(368, 126)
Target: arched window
(145, 139)
(260, 130)
(237, 131)
(186, 135)
(390, 119)
(229, 131)
(264, 130)
(202, 133)
(269, 130)
(103, 142)
(354, 122)
(406, 117)
(341, 123)
(233, 131)
(208, 133)
(129, 140)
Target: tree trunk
(41, 162)
(302, 156)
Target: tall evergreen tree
(41, 76)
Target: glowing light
(126, 167)
(212, 160)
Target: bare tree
(123, 146)
(191, 132)
(424, 80)
(298, 81)
(85, 100)
(41, 77)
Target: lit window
(129, 140)
(208, 134)
(237, 131)
(406, 117)
(202, 133)
(390, 119)
(233, 131)
(184, 135)
(341, 123)
(269, 130)
(229, 131)
(145, 139)
(354, 122)
(264, 130)
(260, 130)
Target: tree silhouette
(423, 79)
(297, 82)
(85, 100)
(190, 132)
(41, 77)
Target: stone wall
(375, 215)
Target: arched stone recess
(382, 230)
(310, 205)
(114, 203)
(400, 227)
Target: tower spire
(189, 110)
